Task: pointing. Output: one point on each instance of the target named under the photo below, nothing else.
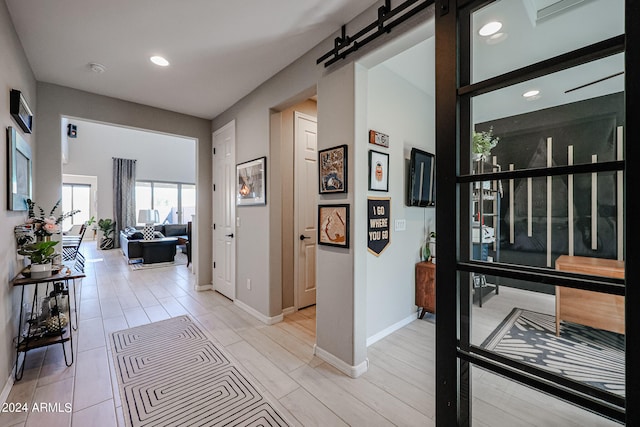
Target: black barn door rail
(387, 19)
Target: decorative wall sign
(378, 138)
(378, 220)
(20, 110)
(333, 225)
(251, 185)
(19, 166)
(378, 171)
(332, 166)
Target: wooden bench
(595, 309)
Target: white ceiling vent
(541, 10)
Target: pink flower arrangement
(46, 225)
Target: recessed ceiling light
(159, 60)
(532, 94)
(490, 28)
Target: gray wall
(15, 73)
(341, 309)
(58, 101)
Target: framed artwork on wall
(378, 138)
(20, 111)
(378, 171)
(332, 167)
(19, 167)
(333, 225)
(251, 182)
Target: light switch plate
(400, 224)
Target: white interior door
(306, 188)
(224, 210)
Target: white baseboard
(289, 310)
(7, 388)
(391, 329)
(255, 313)
(344, 367)
(207, 287)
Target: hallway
(398, 389)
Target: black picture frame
(378, 171)
(333, 225)
(251, 182)
(19, 171)
(333, 170)
(20, 111)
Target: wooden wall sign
(378, 224)
(378, 138)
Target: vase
(40, 271)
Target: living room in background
(175, 202)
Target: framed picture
(378, 138)
(332, 167)
(19, 166)
(251, 184)
(333, 225)
(20, 110)
(378, 171)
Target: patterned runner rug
(582, 353)
(171, 374)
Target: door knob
(302, 237)
(230, 235)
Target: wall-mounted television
(421, 189)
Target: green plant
(91, 221)
(107, 226)
(484, 142)
(39, 252)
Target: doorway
(306, 172)
(294, 181)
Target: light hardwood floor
(398, 388)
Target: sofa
(160, 249)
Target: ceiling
(219, 50)
(567, 25)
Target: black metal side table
(34, 336)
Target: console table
(426, 287)
(595, 309)
(33, 337)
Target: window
(76, 196)
(175, 202)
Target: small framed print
(378, 138)
(332, 167)
(251, 184)
(378, 171)
(333, 225)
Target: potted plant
(107, 226)
(483, 143)
(41, 254)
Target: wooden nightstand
(426, 287)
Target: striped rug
(582, 353)
(171, 374)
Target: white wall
(160, 157)
(407, 114)
(15, 73)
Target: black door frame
(454, 353)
